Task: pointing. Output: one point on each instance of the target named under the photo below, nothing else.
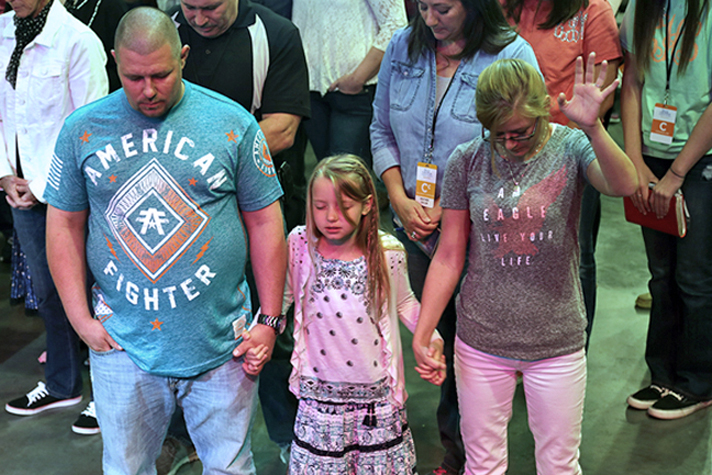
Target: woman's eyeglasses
(500, 142)
(518, 137)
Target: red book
(674, 222)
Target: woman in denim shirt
(424, 108)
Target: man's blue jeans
(679, 345)
(134, 409)
(63, 368)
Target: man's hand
(255, 357)
(257, 345)
(95, 336)
(18, 192)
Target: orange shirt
(591, 29)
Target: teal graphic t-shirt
(166, 244)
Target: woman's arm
(631, 118)
(696, 147)
(353, 82)
(414, 217)
(442, 279)
(612, 173)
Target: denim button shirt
(404, 108)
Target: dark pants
(448, 413)
(588, 234)
(679, 345)
(63, 368)
(339, 123)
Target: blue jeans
(448, 413)
(134, 409)
(589, 224)
(339, 123)
(679, 345)
(63, 368)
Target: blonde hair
(350, 177)
(508, 86)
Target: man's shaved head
(150, 60)
(143, 30)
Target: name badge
(425, 184)
(663, 123)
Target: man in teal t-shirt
(171, 180)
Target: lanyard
(429, 154)
(671, 60)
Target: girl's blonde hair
(350, 177)
(508, 86)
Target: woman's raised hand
(586, 101)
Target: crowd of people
(152, 155)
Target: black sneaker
(646, 397)
(675, 406)
(86, 423)
(38, 400)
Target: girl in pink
(349, 284)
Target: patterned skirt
(350, 429)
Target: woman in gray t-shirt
(514, 197)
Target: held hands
(660, 196)
(655, 199)
(583, 108)
(257, 345)
(418, 222)
(431, 361)
(18, 192)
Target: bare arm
(353, 82)
(631, 118)
(413, 216)
(611, 172)
(268, 254)
(443, 275)
(696, 147)
(279, 129)
(67, 262)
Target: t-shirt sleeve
(626, 33)
(66, 188)
(256, 179)
(602, 33)
(454, 192)
(286, 88)
(580, 148)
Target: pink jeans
(554, 390)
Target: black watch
(278, 323)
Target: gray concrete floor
(616, 440)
